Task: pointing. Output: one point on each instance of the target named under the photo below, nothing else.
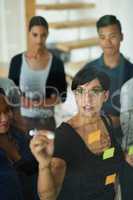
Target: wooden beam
(73, 24)
(71, 68)
(3, 71)
(68, 46)
(29, 12)
(63, 6)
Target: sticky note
(130, 150)
(110, 179)
(94, 136)
(109, 153)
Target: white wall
(12, 23)
(13, 34)
(123, 10)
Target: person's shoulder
(93, 63)
(127, 61)
(6, 84)
(17, 57)
(56, 58)
(57, 65)
(64, 130)
(128, 68)
(57, 62)
(6, 81)
(128, 85)
(61, 128)
(63, 143)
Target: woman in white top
(39, 74)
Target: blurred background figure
(18, 167)
(39, 75)
(126, 117)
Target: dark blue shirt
(18, 181)
(10, 188)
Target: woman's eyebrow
(98, 86)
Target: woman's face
(38, 36)
(4, 117)
(90, 98)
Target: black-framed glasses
(95, 91)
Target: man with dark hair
(118, 68)
(107, 20)
(112, 62)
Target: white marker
(33, 132)
(50, 135)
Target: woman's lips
(108, 48)
(4, 125)
(88, 108)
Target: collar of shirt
(102, 63)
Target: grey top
(33, 86)
(6, 84)
(126, 115)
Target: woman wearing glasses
(83, 161)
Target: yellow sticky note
(130, 150)
(108, 153)
(110, 179)
(94, 136)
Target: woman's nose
(107, 41)
(40, 39)
(88, 97)
(3, 117)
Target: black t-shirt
(86, 172)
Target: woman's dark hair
(87, 74)
(2, 92)
(4, 106)
(107, 20)
(38, 21)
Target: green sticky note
(108, 153)
(130, 150)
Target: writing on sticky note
(110, 179)
(94, 136)
(109, 153)
(130, 150)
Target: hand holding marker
(50, 135)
